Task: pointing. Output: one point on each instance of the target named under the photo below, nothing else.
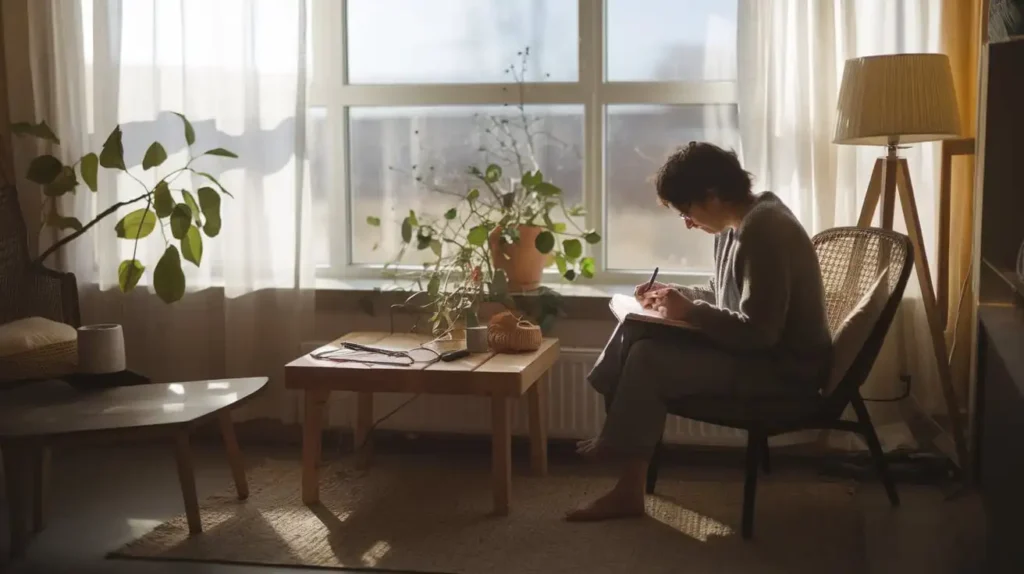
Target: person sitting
(760, 325)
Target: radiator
(575, 411)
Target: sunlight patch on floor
(372, 556)
(684, 520)
(141, 526)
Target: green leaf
(473, 195)
(577, 211)
(573, 249)
(209, 202)
(545, 242)
(163, 203)
(406, 230)
(493, 173)
(155, 155)
(137, 224)
(435, 246)
(508, 200)
(89, 166)
(190, 201)
(373, 221)
(548, 189)
(190, 134)
(587, 267)
(192, 246)
(570, 274)
(434, 285)
(64, 183)
(44, 169)
(451, 214)
(181, 220)
(217, 183)
(168, 280)
(40, 130)
(54, 219)
(530, 179)
(592, 237)
(128, 274)
(477, 235)
(412, 219)
(499, 284)
(558, 227)
(112, 154)
(219, 151)
(560, 262)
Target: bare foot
(615, 504)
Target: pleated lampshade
(900, 98)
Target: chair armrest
(51, 294)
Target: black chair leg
(755, 441)
(652, 468)
(766, 460)
(868, 430)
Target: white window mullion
(591, 66)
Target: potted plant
(499, 234)
(181, 215)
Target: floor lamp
(893, 100)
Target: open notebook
(627, 308)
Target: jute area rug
(427, 514)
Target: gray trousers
(645, 365)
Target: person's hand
(642, 289)
(669, 303)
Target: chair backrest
(28, 289)
(851, 259)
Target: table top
(490, 373)
(54, 408)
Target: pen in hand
(651, 282)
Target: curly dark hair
(695, 172)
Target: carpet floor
(430, 514)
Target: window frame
(592, 91)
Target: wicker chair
(851, 260)
(28, 290)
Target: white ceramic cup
(476, 339)
(101, 349)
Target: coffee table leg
(538, 397)
(312, 427)
(18, 478)
(187, 478)
(501, 454)
(235, 460)
(40, 487)
(364, 421)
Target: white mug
(476, 339)
(101, 349)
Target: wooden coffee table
(35, 417)
(499, 376)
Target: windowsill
(374, 296)
(569, 290)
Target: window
(615, 85)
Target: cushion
(851, 335)
(35, 348)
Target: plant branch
(65, 240)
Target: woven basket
(508, 333)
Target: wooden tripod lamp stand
(888, 101)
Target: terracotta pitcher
(522, 263)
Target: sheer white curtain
(240, 70)
(791, 57)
